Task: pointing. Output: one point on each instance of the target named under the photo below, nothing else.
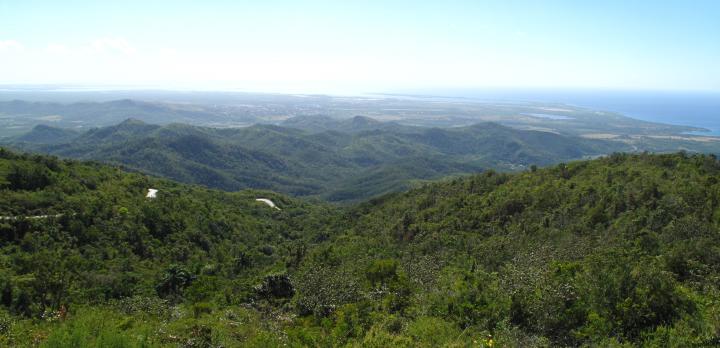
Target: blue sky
(328, 46)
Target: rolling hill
(43, 134)
(347, 161)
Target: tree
(173, 281)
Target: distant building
(152, 193)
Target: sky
(362, 46)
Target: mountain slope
(73, 213)
(319, 124)
(331, 164)
(43, 134)
(619, 251)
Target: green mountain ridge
(44, 134)
(320, 123)
(330, 164)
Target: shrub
(275, 287)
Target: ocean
(698, 109)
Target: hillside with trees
(617, 251)
(348, 161)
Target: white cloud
(57, 49)
(113, 44)
(6, 45)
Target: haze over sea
(698, 109)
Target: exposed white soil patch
(270, 203)
(32, 217)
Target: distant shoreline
(697, 111)
(700, 109)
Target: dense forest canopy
(617, 251)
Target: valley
(349, 160)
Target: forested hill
(352, 160)
(84, 234)
(618, 251)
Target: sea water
(697, 109)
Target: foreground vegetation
(619, 251)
